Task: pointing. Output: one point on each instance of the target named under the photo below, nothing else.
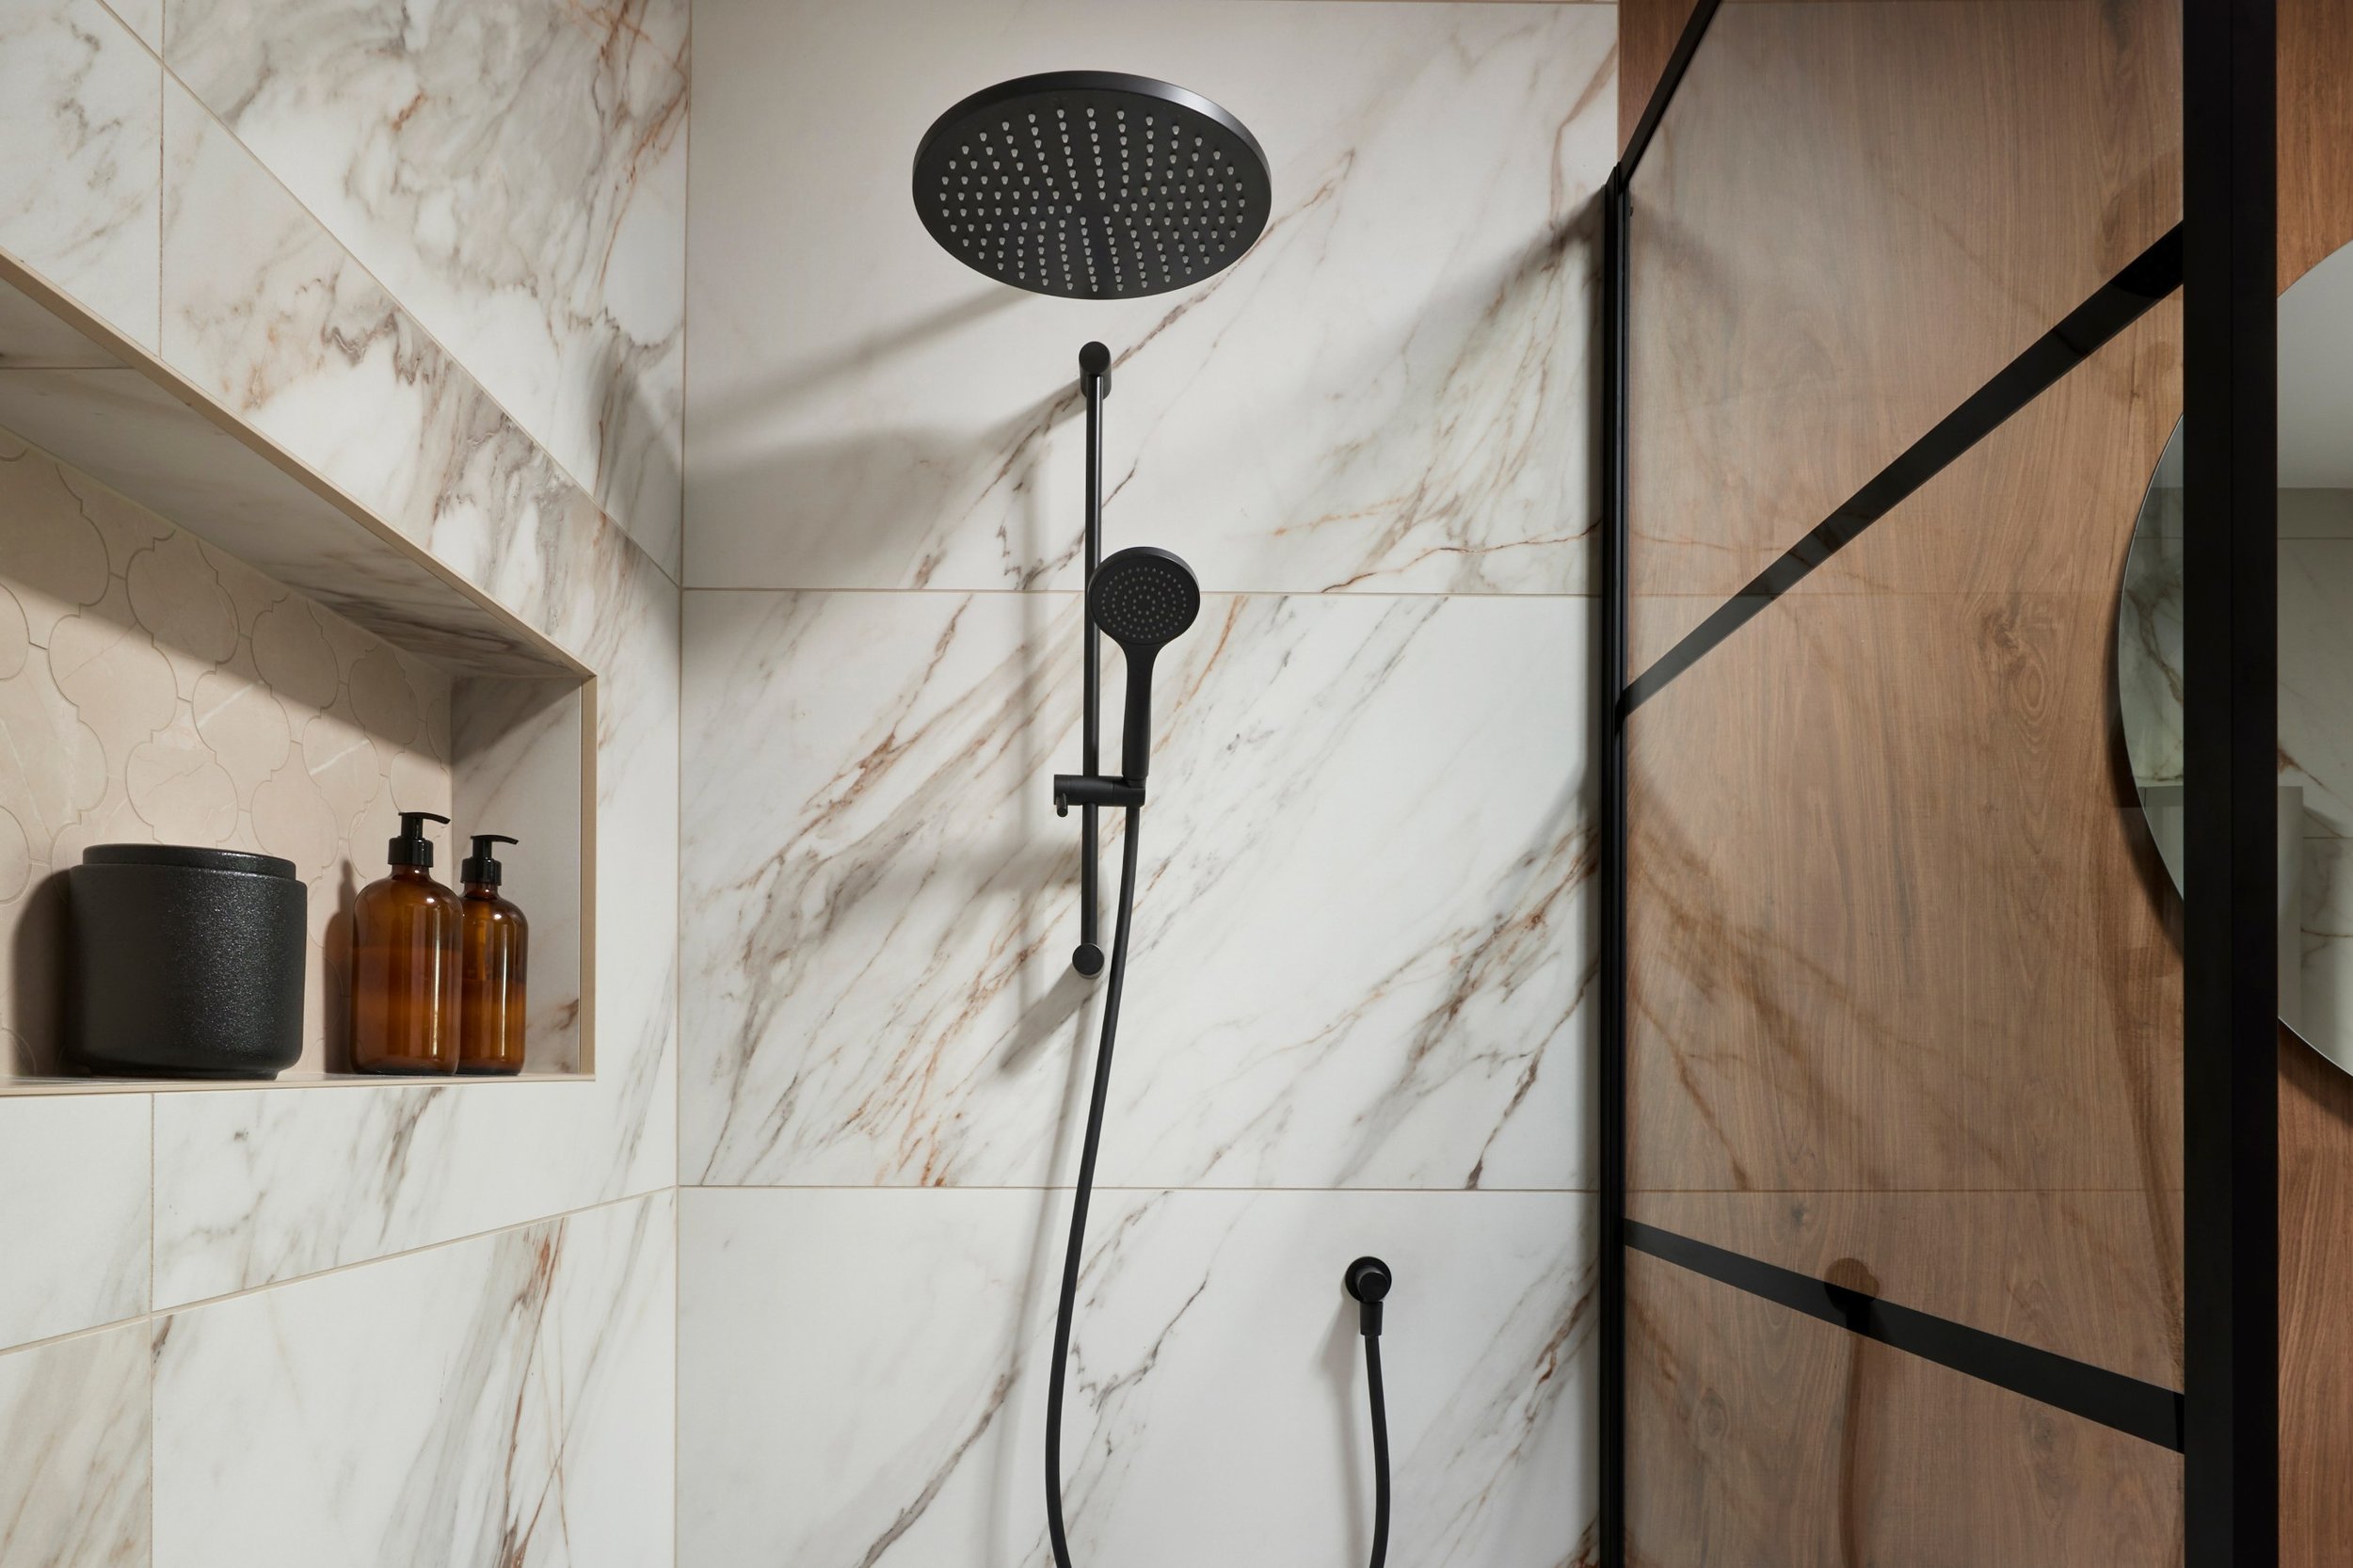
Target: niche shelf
(213, 644)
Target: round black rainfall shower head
(1092, 185)
(1144, 598)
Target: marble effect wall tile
(2149, 643)
(143, 17)
(885, 1351)
(517, 752)
(259, 1186)
(2328, 973)
(271, 314)
(73, 1212)
(143, 443)
(153, 689)
(1362, 933)
(81, 104)
(74, 1452)
(265, 311)
(515, 172)
(2315, 700)
(504, 1400)
(1390, 393)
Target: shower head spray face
(1143, 599)
(1092, 185)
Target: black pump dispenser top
(412, 848)
(482, 865)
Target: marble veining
(504, 1400)
(1363, 916)
(515, 172)
(266, 312)
(1389, 392)
(273, 316)
(81, 111)
(1216, 1408)
(254, 1187)
(73, 1212)
(74, 1452)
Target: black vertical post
(2230, 659)
(1610, 1525)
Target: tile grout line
(678, 830)
(155, 1313)
(149, 1358)
(1156, 1187)
(1336, 596)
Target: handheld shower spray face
(1143, 599)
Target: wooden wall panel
(1852, 216)
(1904, 996)
(2316, 132)
(2315, 1100)
(1891, 918)
(1647, 33)
(1811, 316)
(1762, 1438)
(2072, 1272)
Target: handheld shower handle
(1135, 728)
(1143, 599)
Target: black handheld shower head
(1143, 599)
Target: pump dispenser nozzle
(412, 848)
(481, 866)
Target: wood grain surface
(1758, 1437)
(1894, 932)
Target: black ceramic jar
(186, 963)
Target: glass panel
(1904, 985)
(1762, 1438)
(1903, 994)
(1853, 215)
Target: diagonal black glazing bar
(2125, 1404)
(2123, 299)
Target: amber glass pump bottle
(494, 955)
(403, 962)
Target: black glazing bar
(2230, 462)
(1611, 1514)
(2142, 1410)
(1687, 45)
(2123, 299)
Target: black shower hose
(1077, 1247)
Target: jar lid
(190, 855)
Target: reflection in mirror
(2315, 525)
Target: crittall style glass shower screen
(1900, 1049)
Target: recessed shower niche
(202, 643)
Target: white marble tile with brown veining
(515, 172)
(74, 1452)
(81, 104)
(1362, 933)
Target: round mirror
(2315, 523)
